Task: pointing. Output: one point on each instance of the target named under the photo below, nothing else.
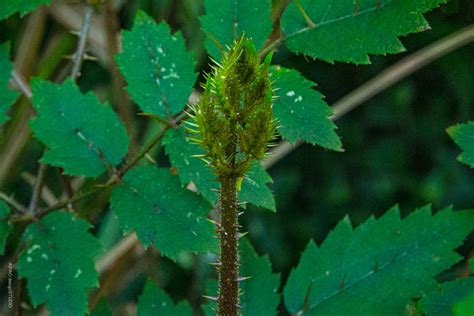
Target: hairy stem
(228, 300)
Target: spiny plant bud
(233, 121)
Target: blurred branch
(109, 258)
(13, 203)
(81, 46)
(384, 80)
(46, 194)
(21, 84)
(35, 197)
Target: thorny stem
(229, 234)
(81, 46)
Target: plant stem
(81, 46)
(229, 270)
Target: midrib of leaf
(88, 141)
(372, 272)
(309, 28)
(164, 212)
(157, 76)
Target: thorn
(212, 298)
(243, 278)
(217, 264)
(242, 235)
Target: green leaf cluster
(152, 202)
(83, 137)
(399, 258)
(58, 267)
(348, 31)
(158, 69)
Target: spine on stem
(233, 122)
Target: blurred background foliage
(396, 147)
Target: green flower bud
(233, 121)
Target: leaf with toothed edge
(9, 7)
(154, 301)
(7, 96)
(463, 136)
(348, 30)
(399, 258)
(254, 188)
(83, 136)
(190, 168)
(301, 111)
(260, 291)
(157, 67)
(226, 20)
(152, 202)
(5, 226)
(58, 268)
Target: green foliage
(227, 20)
(398, 258)
(7, 97)
(154, 301)
(157, 67)
(83, 136)
(254, 188)
(152, 202)
(301, 112)
(5, 226)
(442, 301)
(462, 134)
(9, 7)
(58, 263)
(349, 31)
(233, 120)
(182, 154)
(260, 295)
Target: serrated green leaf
(154, 301)
(463, 136)
(386, 261)
(260, 292)
(9, 7)
(226, 20)
(102, 309)
(442, 301)
(59, 269)
(254, 188)
(301, 111)
(83, 136)
(152, 202)
(7, 96)
(157, 67)
(349, 30)
(190, 168)
(5, 226)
